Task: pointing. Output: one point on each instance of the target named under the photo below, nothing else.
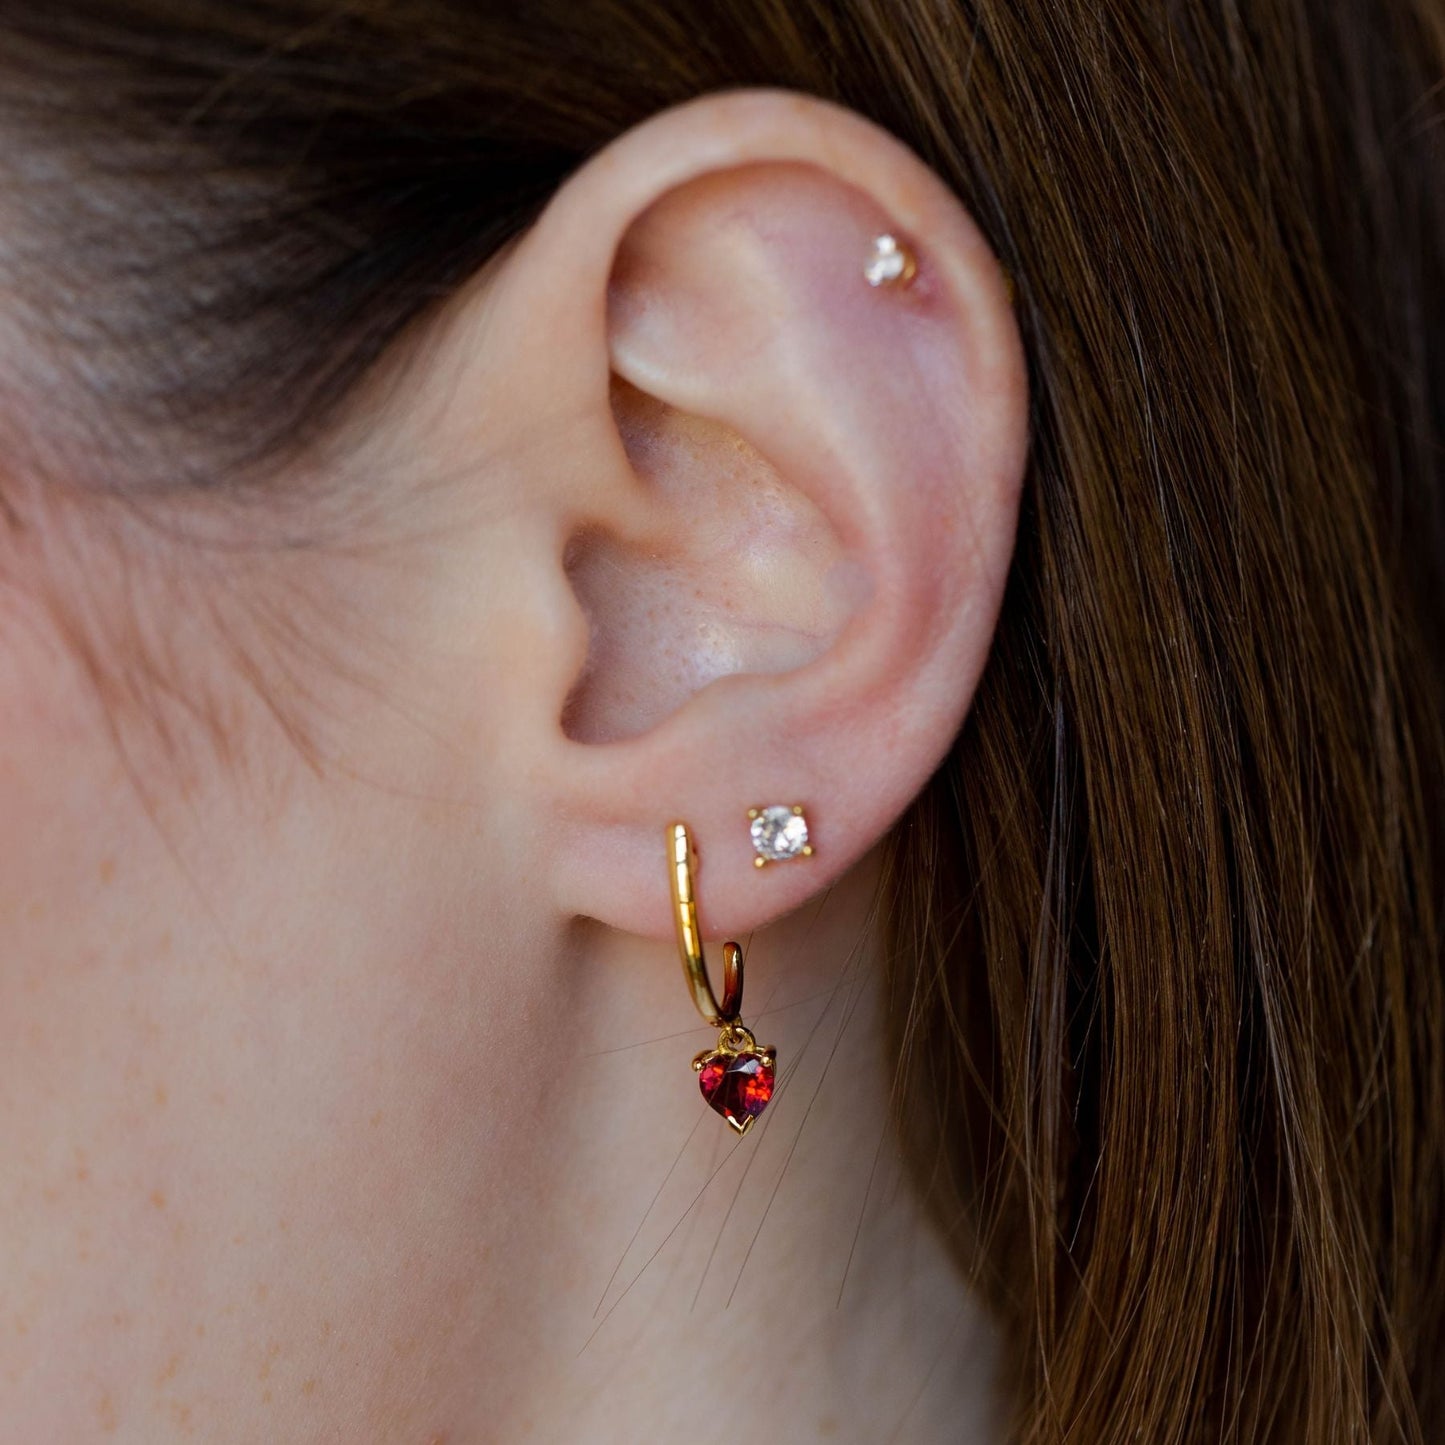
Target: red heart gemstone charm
(737, 1085)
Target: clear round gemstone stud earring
(779, 832)
(891, 264)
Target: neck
(787, 1278)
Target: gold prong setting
(779, 833)
(737, 1077)
(890, 263)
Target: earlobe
(790, 545)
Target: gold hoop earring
(737, 1077)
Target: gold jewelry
(891, 264)
(737, 1076)
(779, 833)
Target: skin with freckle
(332, 1109)
(452, 452)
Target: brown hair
(1167, 983)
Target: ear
(782, 499)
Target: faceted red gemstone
(738, 1086)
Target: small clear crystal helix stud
(779, 832)
(891, 263)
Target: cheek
(63, 784)
(96, 906)
(262, 1031)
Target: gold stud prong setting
(890, 263)
(779, 833)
